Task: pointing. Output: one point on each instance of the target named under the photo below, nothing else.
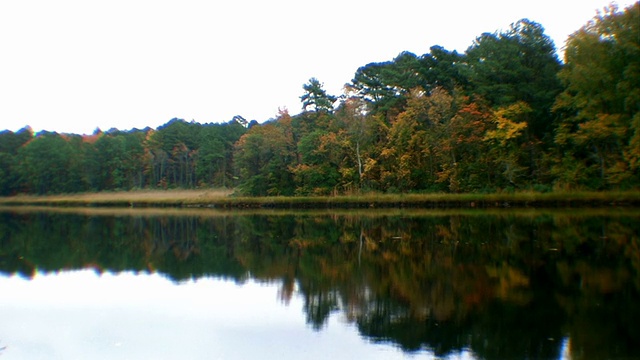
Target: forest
(505, 115)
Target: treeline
(505, 115)
(177, 154)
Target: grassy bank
(123, 198)
(224, 199)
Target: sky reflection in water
(83, 315)
(316, 286)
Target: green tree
(444, 69)
(211, 164)
(386, 86)
(116, 161)
(316, 98)
(600, 105)
(46, 164)
(318, 173)
(371, 83)
(173, 152)
(518, 65)
(263, 158)
(214, 163)
(10, 143)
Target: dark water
(401, 284)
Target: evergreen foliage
(505, 115)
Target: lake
(102, 283)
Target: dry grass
(206, 212)
(222, 198)
(123, 197)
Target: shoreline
(224, 199)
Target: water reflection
(496, 285)
(133, 316)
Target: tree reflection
(506, 285)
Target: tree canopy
(506, 114)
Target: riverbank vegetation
(506, 116)
(225, 199)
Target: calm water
(168, 284)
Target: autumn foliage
(506, 115)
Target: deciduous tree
(600, 105)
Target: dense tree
(262, 158)
(354, 129)
(518, 65)
(599, 134)
(504, 115)
(10, 142)
(119, 160)
(505, 152)
(175, 150)
(402, 158)
(318, 173)
(372, 84)
(444, 69)
(116, 161)
(211, 164)
(46, 163)
(462, 158)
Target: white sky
(74, 65)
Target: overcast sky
(75, 65)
